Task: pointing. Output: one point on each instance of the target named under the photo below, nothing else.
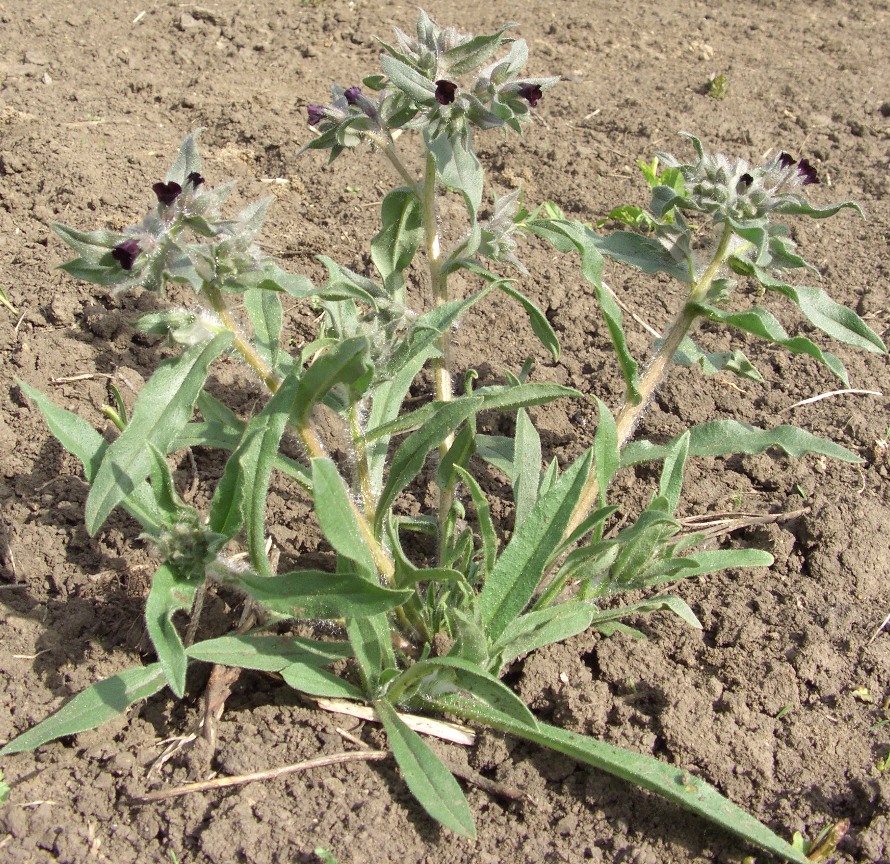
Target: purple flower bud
(316, 114)
(351, 95)
(126, 253)
(167, 192)
(531, 93)
(806, 173)
(195, 179)
(445, 91)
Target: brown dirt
(761, 702)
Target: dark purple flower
(195, 179)
(316, 114)
(167, 192)
(126, 253)
(531, 93)
(351, 95)
(445, 91)
(786, 160)
(806, 173)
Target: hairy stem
(441, 364)
(313, 444)
(363, 473)
(241, 345)
(389, 150)
(438, 283)
(631, 412)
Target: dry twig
(711, 525)
(831, 393)
(271, 774)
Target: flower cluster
(424, 88)
(172, 197)
(182, 239)
(735, 191)
(188, 545)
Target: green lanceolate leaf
(702, 563)
(227, 506)
(213, 410)
(541, 327)
(640, 545)
(497, 451)
(542, 627)
(319, 682)
(483, 515)
(163, 487)
(315, 594)
(458, 168)
(466, 56)
(443, 674)
(344, 284)
(470, 641)
(94, 706)
(409, 458)
(408, 80)
(431, 783)
(394, 247)
(643, 253)
(188, 160)
(712, 362)
(249, 471)
(509, 397)
(264, 310)
(672, 783)
(604, 620)
(725, 437)
(671, 483)
(162, 409)
(832, 318)
(761, 323)
(792, 205)
(607, 458)
(521, 566)
(267, 653)
(346, 363)
(336, 515)
(564, 236)
(84, 442)
(526, 473)
(458, 455)
(371, 642)
(549, 477)
(169, 594)
(92, 246)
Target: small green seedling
(717, 87)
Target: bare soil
(778, 701)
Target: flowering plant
(430, 608)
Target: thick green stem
(630, 414)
